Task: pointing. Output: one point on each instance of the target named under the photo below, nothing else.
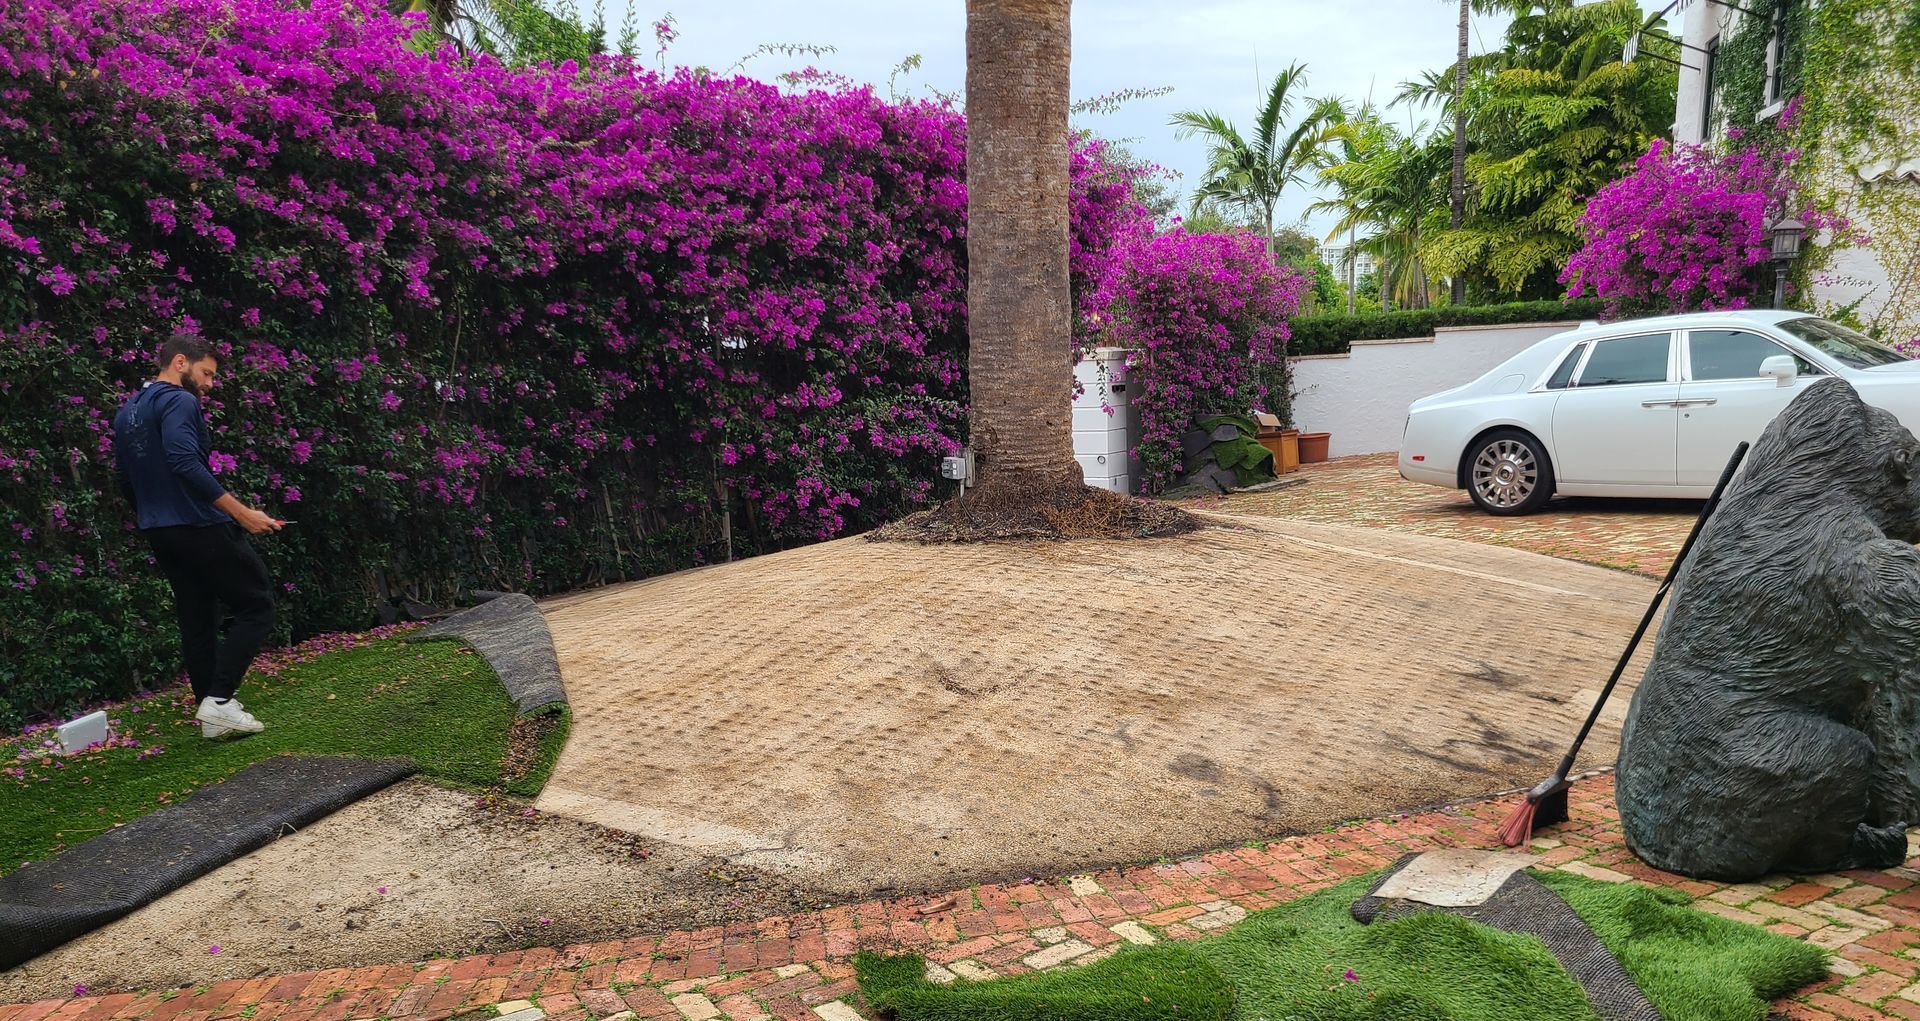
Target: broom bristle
(1518, 827)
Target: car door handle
(1690, 402)
(1660, 404)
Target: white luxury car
(1644, 407)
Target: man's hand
(246, 517)
(257, 522)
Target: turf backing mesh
(511, 632)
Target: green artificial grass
(1691, 965)
(1138, 984)
(1310, 960)
(435, 702)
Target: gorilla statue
(1777, 728)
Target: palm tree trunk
(1018, 311)
(1459, 194)
(1352, 284)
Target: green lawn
(436, 702)
(1310, 960)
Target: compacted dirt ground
(412, 872)
(877, 717)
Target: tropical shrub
(1204, 313)
(1334, 334)
(1690, 228)
(1552, 116)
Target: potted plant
(1313, 447)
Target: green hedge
(1329, 335)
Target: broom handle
(1659, 595)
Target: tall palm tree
(517, 32)
(1019, 326)
(1387, 190)
(1449, 90)
(1457, 193)
(1252, 174)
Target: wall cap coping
(1558, 324)
(1566, 324)
(1387, 341)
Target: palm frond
(1279, 103)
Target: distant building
(1335, 256)
(1876, 183)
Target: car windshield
(1848, 347)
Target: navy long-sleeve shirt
(161, 449)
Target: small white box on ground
(87, 730)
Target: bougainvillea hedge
(1203, 314)
(486, 328)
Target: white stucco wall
(1879, 190)
(1879, 281)
(1361, 397)
(1705, 20)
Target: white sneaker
(214, 730)
(232, 716)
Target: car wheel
(1508, 473)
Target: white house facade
(1875, 183)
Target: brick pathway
(1367, 490)
(795, 968)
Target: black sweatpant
(210, 567)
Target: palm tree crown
(1388, 188)
(1250, 174)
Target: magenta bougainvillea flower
(1688, 228)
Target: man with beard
(198, 531)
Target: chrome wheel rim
(1505, 473)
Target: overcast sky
(1215, 54)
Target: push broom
(1546, 803)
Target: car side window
(1626, 360)
(1734, 354)
(1564, 374)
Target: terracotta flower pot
(1313, 447)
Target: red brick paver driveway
(1367, 490)
(795, 968)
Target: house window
(1707, 73)
(1782, 63)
